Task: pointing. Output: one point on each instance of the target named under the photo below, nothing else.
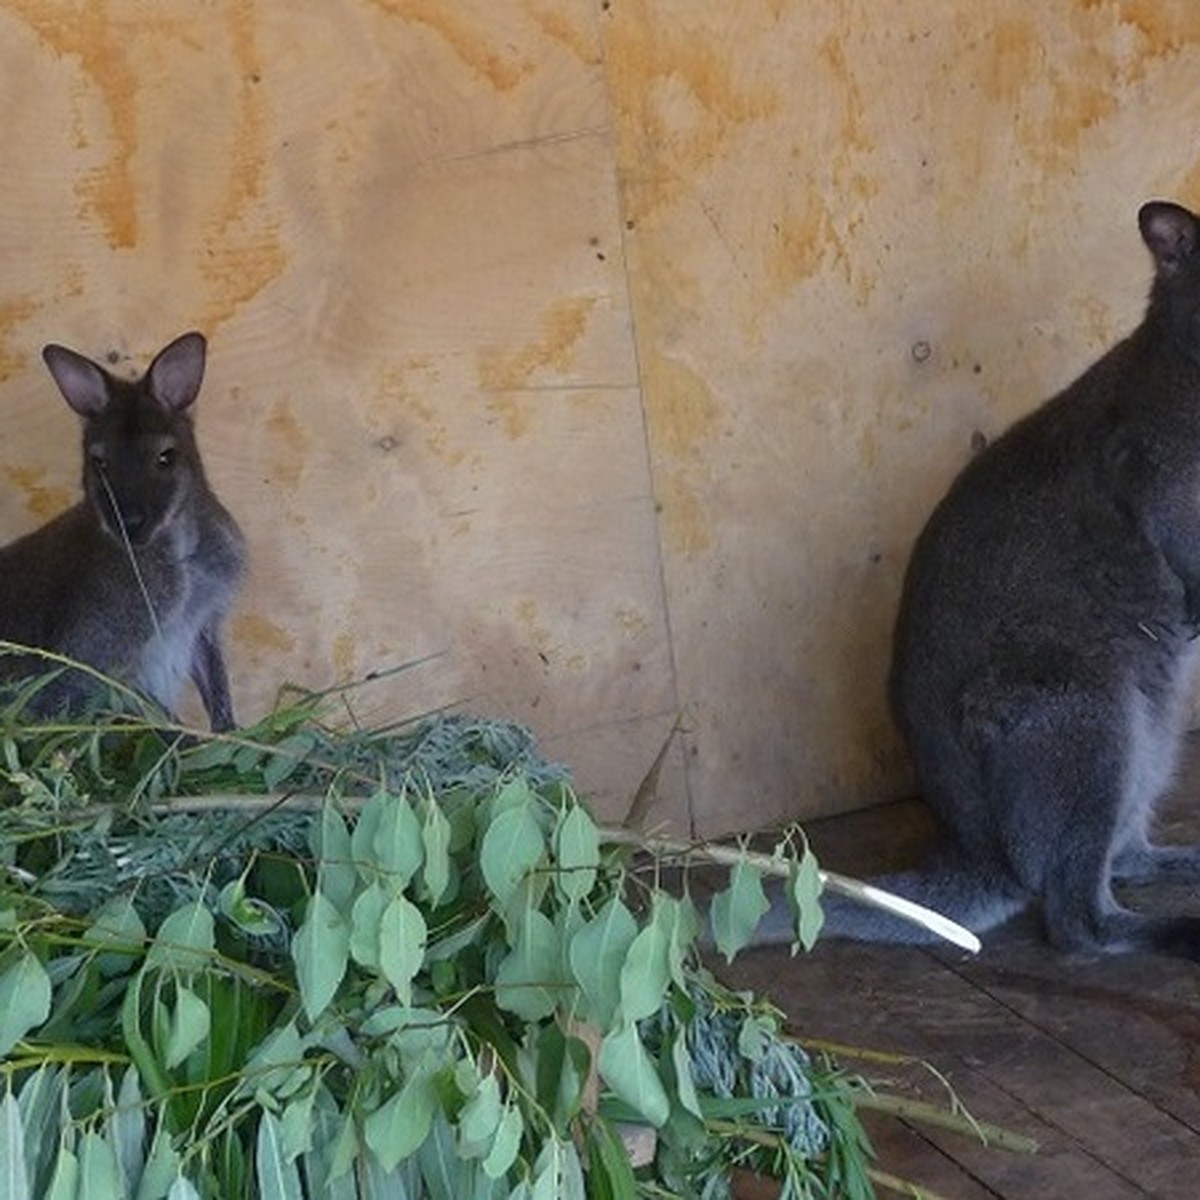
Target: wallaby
(1043, 654)
(136, 579)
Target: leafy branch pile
(421, 974)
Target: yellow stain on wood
(344, 648)
(40, 501)
(246, 254)
(685, 525)
(661, 75)
(289, 442)
(804, 241)
(445, 18)
(682, 415)
(258, 632)
(85, 31)
(1061, 90)
(1164, 28)
(680, 408)
(555, 23)
(397, 396)
(563, 325)
(12, 313)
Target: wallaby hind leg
(1148, 863)
(1079, 908)
(1055, 759)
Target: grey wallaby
(1043, 655)
(136, 579)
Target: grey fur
(1044, 651)
(70, 586)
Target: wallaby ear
(177, 371)
(1171, 232)
(83, 384)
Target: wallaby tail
(964, 892)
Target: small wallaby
(1044, 651)
(136, 579)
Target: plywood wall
(608, 352)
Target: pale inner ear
(176, 374)
(81, 382)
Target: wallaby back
(1046, 642)
(136, 579)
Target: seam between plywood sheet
(624, 227)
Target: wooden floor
(1098, 1060)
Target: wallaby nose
(134, 521)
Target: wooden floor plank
(1098, 1059)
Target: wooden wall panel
(397, 221)
(609, 353)
(855, 240)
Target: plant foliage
(420, 972)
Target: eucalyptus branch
(770, 864)
(932, 1114)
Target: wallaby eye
(166, 458)
(96, 457)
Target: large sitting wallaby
(1043, 654)
(136, 579)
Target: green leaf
(126, 1128)
(320, 950)
(626, 1067)
(677, 918)
(445, 1175)
(527, 980)
(190, 1023)
(401, 945)
(185, 940)
(646, 973)
(99, 1172)
(64, 1183)
(507, 1144)
(805, 889)
(737, 910)
(337, 877)
(362, 840)
(162, 1168)
(365, 919)
(577, 850)
(25, 995)
(274, 1062)
(14, 1175)
(435, 835)
(513, 794)
(755, 1037)
(42, 1103)
(278, 1179)
(327, 1124)
(398, 844)
(561, 1071)
(597, 953)
(512, 846)
(116, 923)
(397, 1128)
(296, 1125)
(218, 752)
(557, 1172)
(479, 1118)
(681, 1066)
(251, 916)
(610, 1173)
(285, 758)
(183, 1189)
